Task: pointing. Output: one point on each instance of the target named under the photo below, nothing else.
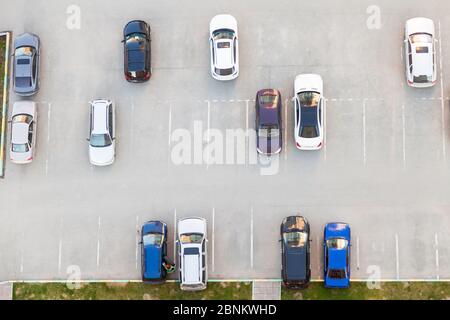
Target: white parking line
(132, 125)
(98, 241)
(364, 131)
(286, 104)
(436, 244)
(357, 253)
(174, 234)
(251, 237)
(212, 247)
(21, 261)
(137, 241)
(247, 160)
(60, 245)
(444, 151)
(319, 255)
(49, 114)
(397, 265)
(325, 131)
(208, 131)
(404, 136)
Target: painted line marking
(251, 237)
(21, 262)
(137, 241)
(60, 245)
(319, 267)
(213, 238)
(404, 136)
(364, 131)
(444, 151)
(174, 234)
(397, 265)
(208, 131)
(357, 253)
(98, 241)
(325, 131)
(247, 142)
(49, 114)
(436, 244)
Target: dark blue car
(337, 255)
(154, 251)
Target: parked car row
(295, 240)
(309, 102)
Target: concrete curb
(6, 291)
(4, 110)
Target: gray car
(26, 64)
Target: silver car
(23, 132)
(26, 64)
(102, 133)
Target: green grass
(360, 291)
(131, 291)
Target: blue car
(337, 255)
(154, 251)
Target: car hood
(27, 39)
(269, 145)
(296, 263)
(103, 155)
(154, 226)
(153, 262)
(308, 82)
(223, 21)
(419, 25)
(24, 107)
(192, 225)
(137, 26)
(337, 229)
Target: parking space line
(436, 245)
(60, 245)
(286, 104)
(404, 136)
(212, 247)
(364, 131)
(175, 234)
(49, 113)
(132, 125)
(397, 265)
(247, 143)
(98, 241)
(21, 261)
(318, 255)
(251, 237)
(208, 131)
(137, 241)
(357, 253)
(444, 151)
(325, 131)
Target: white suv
(192, 257)
(223, 42)
(420, 53)
(102, 133)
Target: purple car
(268, 122)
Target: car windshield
(223, 34)
(421, 38)
(296, 239)
(152, 239)
(308, 99)
(135, 37)
(191, 238)
(100, 140)
(337, 243)
(269, 131)
(24, 51)
(309, 132)
(22, 118)
(336, 274)
(224, 72)
(20, 147)
(269, 100)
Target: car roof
(153, 261)
(192, 265)
(224, 56)
(422, 62)
(295, 263)
(308, 116)
(19, 133)
(337, 258)
(100, 108)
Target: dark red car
(137, 51)
(268, 121)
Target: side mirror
(87, 139)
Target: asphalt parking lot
(384, 168)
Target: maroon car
(268, 121)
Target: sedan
(295, 252)
(137, 51)
(26, 64)
(309, 112)
(23, 132)
(420, 52)
(153, 251)
(337, 255)
(223, 41)
(268, 121)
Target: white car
(23, 132)
(192, 253)
(223, 41)
(309, 106)
(420, 52)
(102, 133)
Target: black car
(137, 51)
(268, 121)
(295, 252)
